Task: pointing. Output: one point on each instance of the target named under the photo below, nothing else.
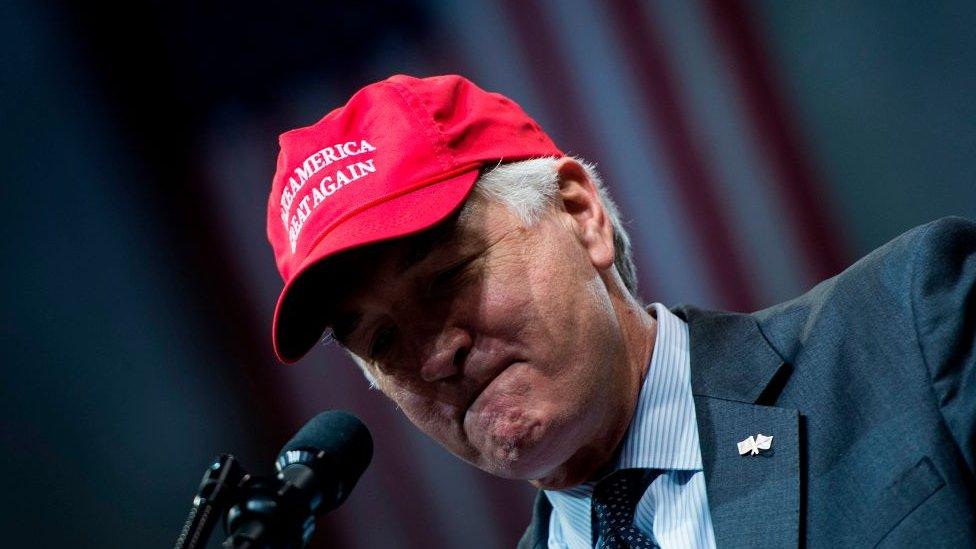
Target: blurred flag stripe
(807, 204)
(645, 53)
(631, 154)
(742, 175)
(566, 114)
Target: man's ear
(581, 201)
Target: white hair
(529, 188)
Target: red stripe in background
(550, 75)
(689, 166)
(805, 200)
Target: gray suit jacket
(867, 384)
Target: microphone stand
(220, 486)
(258, 513)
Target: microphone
(326, 457)
(317, 469)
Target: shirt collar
(664, 432)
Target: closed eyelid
(384, 330)
(455, 269)
(447, 278)
(361, 344)
(345, 327)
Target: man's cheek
(423, 411)
(505, 306)
(436, 420)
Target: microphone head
(336, 445)
(335, 432)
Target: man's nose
(446, 355)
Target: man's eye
(381, 343)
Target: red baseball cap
(400, 156)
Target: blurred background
(755, 148)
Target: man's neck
(638, 333)
(639, 328)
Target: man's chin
(540, 473)
(510, 460)
(512, 465)
(513, 440)
(540, 453)
(521, 458)
(511, 445)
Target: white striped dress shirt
(663, 435)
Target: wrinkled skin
(517, 348)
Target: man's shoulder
(896, 261)
(945, 230)
(921, 249)
(880, 290)
(943, 238)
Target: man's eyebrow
(424, 244)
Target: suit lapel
(753, 499)
(537, 534)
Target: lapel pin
(753, 445)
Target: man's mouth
(474, 404)
(496, 417)
(474, 399)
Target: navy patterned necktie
(615, 499)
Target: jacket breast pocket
(906, 493)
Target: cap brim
(298, 322)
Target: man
(482, 280)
